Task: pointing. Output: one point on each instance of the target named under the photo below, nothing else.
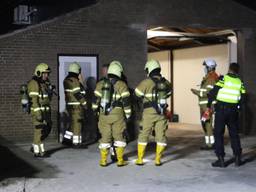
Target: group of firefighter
(112, 104)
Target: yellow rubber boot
(141, 153)
(119, 155)
(104, 156)
(159, 152)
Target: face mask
(205, 70)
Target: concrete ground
(185, 168)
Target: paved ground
(185, 168)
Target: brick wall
(113, 29)
(21, 51)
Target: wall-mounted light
(22, 14)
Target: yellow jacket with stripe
(38, 91)
(121, 93)
(206, 86)
(145, 89)
(74, 91)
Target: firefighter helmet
(210, 63)
(115, 68)
(152, 65)
(117, 63)
(42, 68)
(74, 68)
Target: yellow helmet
(42, 68)
(74, 68)
(117, 63)
(151, 65)
(115, 68)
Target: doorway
(89, 72)
(181, 52)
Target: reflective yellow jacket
(38, 91)
(74, 92)
(145, 90)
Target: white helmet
(210, 63)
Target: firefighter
(104, 74)
(207, 84)
(75, 103)
(154, 91)
(113, 103)
(40, 93)
(229, 93)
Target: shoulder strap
(155, 80)
(39, 86)
(69, 79)
(113, 81)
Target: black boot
(77, 146)
(113, 158)
(36, 155)
(41, 155)
(219, 163)
(206, 147)
(238, 161)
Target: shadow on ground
(13, 166)
(18, 163)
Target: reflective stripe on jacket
(38, 93)
(146, 89)
(121, 93)
(206, 86)
(74, 91)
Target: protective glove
(168, 114)
(39, 116)
(206, 115)
(194, 91)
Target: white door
(89, 69)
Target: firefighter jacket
(74, 92)
(146, 91)
(207, 84)
(120, 97)
(39, 93)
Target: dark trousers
(226, 115)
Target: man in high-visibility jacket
(113, 103)
(39, 91)
(154, 91)
(207, 84)
(75, 103)
(229, 92)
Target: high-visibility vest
(231, 89)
